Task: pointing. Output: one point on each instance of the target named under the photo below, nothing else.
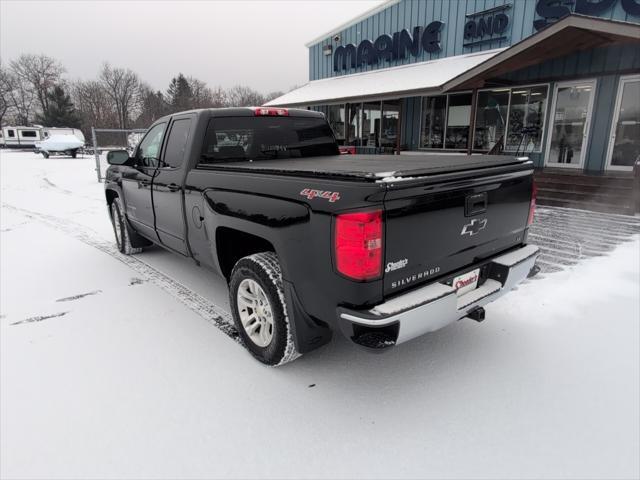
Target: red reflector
(532, 205)
(347, 150)
(358, 245)
(265, 111)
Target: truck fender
(137, 241)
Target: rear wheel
(45, 154)
(73, 153)
(259, 311)
(120, 229)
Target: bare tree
(218, 97)
(271, 95)
(123, 87)
(19, 97)
(5, 99)
(117, 99)
(94, 105)
(40, 73)
(153, 106)
(241, 96)
(201, 94)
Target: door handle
(143, 183)
(173, 187)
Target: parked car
(382, 248)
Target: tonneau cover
(372, 167)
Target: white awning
(405, 80)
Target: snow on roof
(391, 82)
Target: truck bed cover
(381, 168)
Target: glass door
(569, 126)
(624, 145)
(354, 124)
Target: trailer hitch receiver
(477, 314)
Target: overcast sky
(255, 43)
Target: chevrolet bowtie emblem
(474, 227)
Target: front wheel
(120, 229)
(259, 312)
(45, 154)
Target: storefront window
(370, 124)
(526, 118)
(452, 111)
(389, 131)
(336, 120)
(354, 125)
(433, 118)
(491, 118)
(626, 143)
(458, 118)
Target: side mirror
(117, 157)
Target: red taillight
(267, 111)
(358, 245)
(532, 205)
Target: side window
(11, 133)
(177, 142)
(149, 149)
(28, 133)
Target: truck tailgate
(438, 226)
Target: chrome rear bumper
(434, 306)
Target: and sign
(552, 10)
(388, 47)
(486, 26)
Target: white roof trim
(353, 21)
(385, 83)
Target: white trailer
(21, 137)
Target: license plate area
(466, 282)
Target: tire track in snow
(562, 242)
(39, 318)
(195, 302)
(567, 236)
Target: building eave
(569, 34)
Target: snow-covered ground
(124, 367)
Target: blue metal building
(559, 80)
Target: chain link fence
(105, 139)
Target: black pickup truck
(383, 248)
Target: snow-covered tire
(45, 154)
(73, 153)
(264, 269)
(120, 229)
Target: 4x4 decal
(311, 194)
